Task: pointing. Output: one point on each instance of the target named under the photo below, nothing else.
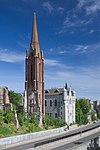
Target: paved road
(77, 142)
(65, 135)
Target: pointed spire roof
(66, 86)
(34, 38)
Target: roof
(54, 91)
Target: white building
(60, 103)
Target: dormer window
(47, 91)
(56, 91)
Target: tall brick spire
(34, 38)
(34, 74)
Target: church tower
(34, 77)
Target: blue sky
(69, 35)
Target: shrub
(53, 122)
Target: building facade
(60, 103)
(4, 98)
(34, 77)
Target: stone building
(4, 98)
(60, 103)
(34, 77)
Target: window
(72, 93)
(45, 102)
(47, 91)
(31, 72)
(51, 103)
(56, 91)
(61, 113)
(70, 101)
(55, 115)
(50, 114)
(40, 72)
(55, 102)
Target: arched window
(55, 102)
(45, 102)
(31, 72)
(51, 103)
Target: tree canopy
(82, 110)
(15, 98)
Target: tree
(8, 116)
(93, 117)
(77, 112)
(82, 109)
(15, 98)
(1, 116)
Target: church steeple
(34, 38)
(34, 74)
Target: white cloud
(51, 62)
(84, 48)
(47, 5)
(22, 44)
(82, 14)
(93, 8)
(62, 52)
(91, 31)
(61, 9)
(8, 56)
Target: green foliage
(5, 131)
(15, 98)
(21, 119)
(53, 122)
(84, 105)
(98, 115)
(8, 116)
(93, 115)
(77, 112)
(33, 128)
(33, 119)
(82, 110)
(1, 116)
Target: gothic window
(31, 72)
(40, 72)
(55, 115)
(45, 102)
(50, 103)
(55, 102)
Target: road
(64, 140)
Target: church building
(34, 77)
